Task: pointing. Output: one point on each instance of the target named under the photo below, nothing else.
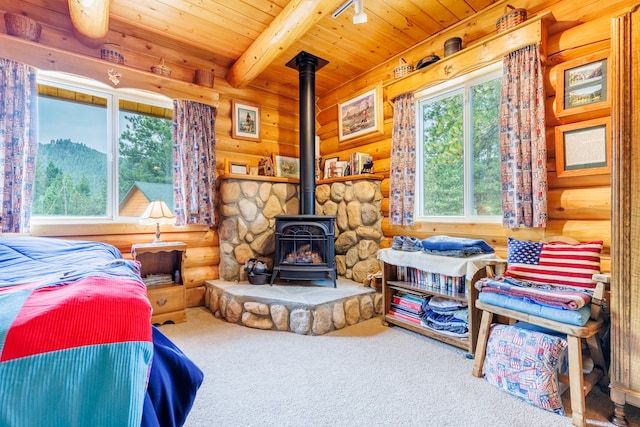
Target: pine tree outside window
(458, 151)
(102, 153)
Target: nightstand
(161, 270)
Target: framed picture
(361, 115)
(238, 168)
(583, 85)
(287, 167)
(245, 120)
(584, 148)
(327, 166)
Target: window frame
(461, 84)
(113, 96)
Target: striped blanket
(560, 297)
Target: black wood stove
(305, 243)
(305, 248)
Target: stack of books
(432, 281)
(157, 279)
(407, 307)
(360, 162)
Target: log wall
(579, 207)
(59, 50)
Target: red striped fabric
(557, 263)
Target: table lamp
(157, 213)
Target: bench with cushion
(554, 287)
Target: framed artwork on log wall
(582, 86)
(583, 148)
(361, 115)
(245, 119)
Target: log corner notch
(90, 20)
(295, 20)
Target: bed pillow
(554, 263)
(523, 363)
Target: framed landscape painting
(361, 115)
(287, 167)
(583, 86)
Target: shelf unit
(391, 285)
(167, 299)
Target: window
(458, 155)
(83, 126)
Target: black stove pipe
(307, 65)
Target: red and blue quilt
(76, 342)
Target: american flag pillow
(554, 263)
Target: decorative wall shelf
(360, 177)
(261, 178)
(475, 56)
(52, 59)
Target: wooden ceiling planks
(193, 34)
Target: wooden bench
(579, 384)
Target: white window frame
(113, 96)
(440, 91)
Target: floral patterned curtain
(18, 143)
(523, 148)
(403, 161)
(194, 162)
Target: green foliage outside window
(450, 122)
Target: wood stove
(305, 248)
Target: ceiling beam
(295, 20)
(90, 19)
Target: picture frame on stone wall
(361, 115)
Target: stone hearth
(249, 204)
(301, 307)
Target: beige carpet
(363, 375)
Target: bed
(76, 344)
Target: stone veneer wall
(356, 205)
(248, 207)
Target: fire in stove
(304, 255)
(305, 248)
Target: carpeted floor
(364, 375)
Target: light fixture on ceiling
(360, 16)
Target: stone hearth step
(304, 307)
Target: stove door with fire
(305, 248)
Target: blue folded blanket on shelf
(455, 246)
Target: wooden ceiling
(248, 42)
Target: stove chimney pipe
(307, 65)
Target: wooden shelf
(391, 285)
(475, 56)
(50, 58)
(412, 288)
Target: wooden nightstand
(161, 270)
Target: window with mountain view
(101, 154)
(458, 151)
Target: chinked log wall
(579, 207)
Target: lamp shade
(157, 213)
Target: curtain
(403, 161)
(18, 143)
(194, 160)
(523, 148)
